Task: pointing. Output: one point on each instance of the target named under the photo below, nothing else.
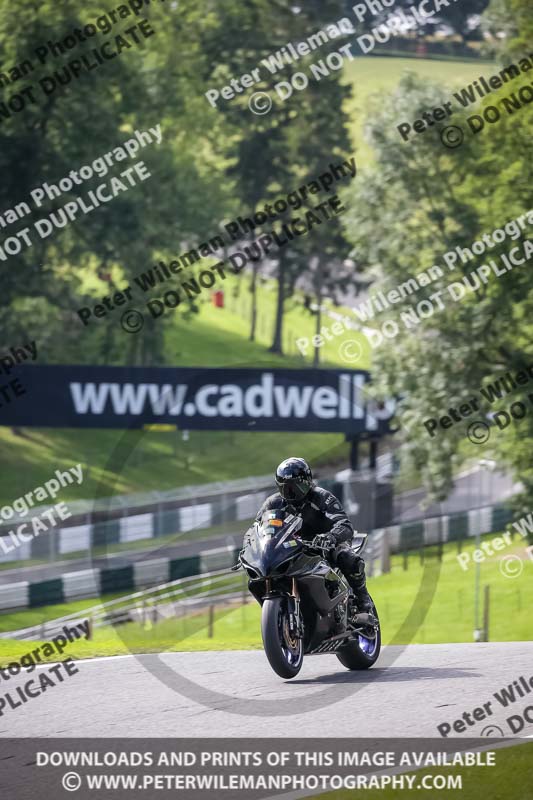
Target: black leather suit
(321, 512)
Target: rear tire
(362, 652)
(285, 655)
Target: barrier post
(486, 611)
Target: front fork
(293, 603)
(295, 620)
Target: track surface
(408, 693)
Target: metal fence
(166, 600)
(179, 512)
(198, 591)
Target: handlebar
(358, 544)
(311, 546)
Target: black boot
(357, 581)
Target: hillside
(217, 337)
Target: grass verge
(427, 603)
(510, 778)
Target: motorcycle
(307, 606)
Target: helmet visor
(293, 489)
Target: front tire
(362, 652)
(284, 653)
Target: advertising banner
(322, 400)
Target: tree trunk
(106, 350)
(132, 350)
(316, 354)
(277, 343)
(319, 282)
(253, 291)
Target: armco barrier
(184, 567)
(138, 526)
(81, 584)
(166, 523)
(99, 582)
(207, 508)
(162, 601)
(75, 540)
(436, 530)
(447, 528)
(412, 535)
(15, 595)
(483, 520)
(382, 542)
(116, 580)
(106, 533)
(150, 573)
(459, 526)
(46, 593)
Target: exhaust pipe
(364, 618)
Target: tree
(277, 152)
(73, 126)
(510, 24)
(419, 201)
(456, 15)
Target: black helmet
(294, 479)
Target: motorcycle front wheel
(284, 652)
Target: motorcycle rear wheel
(362, 652)
(284, 654)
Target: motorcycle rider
(323, 515)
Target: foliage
(277, 152)
(146, 86)
(510, 23)
(419, 201)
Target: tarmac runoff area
(409, 693)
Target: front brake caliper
(295, 620)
